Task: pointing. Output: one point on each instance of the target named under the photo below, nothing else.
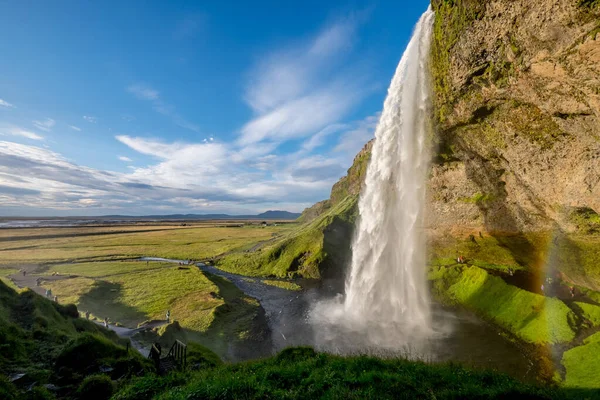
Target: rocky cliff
(516, 88)
(517, 94)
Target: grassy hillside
(210, 309)
(300, 373)
(48, 343)
(531, 317)
(314, 248)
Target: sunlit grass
(180, 243)
(283, 284)
(531, 317)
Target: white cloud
(143, 92)
(304, 88)
(353, 139)
(147, 93)
(45, 125)
(4, 103)
(75, 128)
(16, 131)
(126, 159)
(89, 119)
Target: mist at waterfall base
(386, 306)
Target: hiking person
(106, 322)
(168, 316)
(572, 291)
(55, 298)
(48, 293)
(87, 315)
(24, 272)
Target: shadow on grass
(103, 301)
(239, 330)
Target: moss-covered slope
(49, 343)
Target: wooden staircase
(176, 358)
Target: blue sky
(195, 107)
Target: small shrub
(95, 387)
(41, 393)
(7, 389)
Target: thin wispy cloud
(126, 159)
(16, 131)
(6, 104)
(45, 125)
(143, 92)
(89, 119)
(300, 90)
(147, 93)
(75, 128)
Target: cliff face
(516, 88)
(517, 98)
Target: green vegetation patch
(49, 343)
(582, 364)
(104, 269)
(300, 373)
(531, 317)
(590, 312)
(283, 284)
(197, 243)
(305, 251)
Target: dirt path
(29, 280)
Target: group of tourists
(49, 295)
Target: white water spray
(387, 303)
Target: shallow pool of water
(467, 340)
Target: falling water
(386, 304)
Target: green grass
(300, 373)
(40, 338)
(283, 284)
(105, 269)
(8, 271)
(529, 316)
(137, 296)
(179, 243)
(582, 364)
(590, 312)
(304, 251)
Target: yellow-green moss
(531, 317)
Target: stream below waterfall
(470, 341)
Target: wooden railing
(154, 355)
(179, 353)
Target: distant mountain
(277, 214)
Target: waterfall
(386, 304)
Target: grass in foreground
(300, 373)
(50, 344)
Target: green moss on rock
(529, 316)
